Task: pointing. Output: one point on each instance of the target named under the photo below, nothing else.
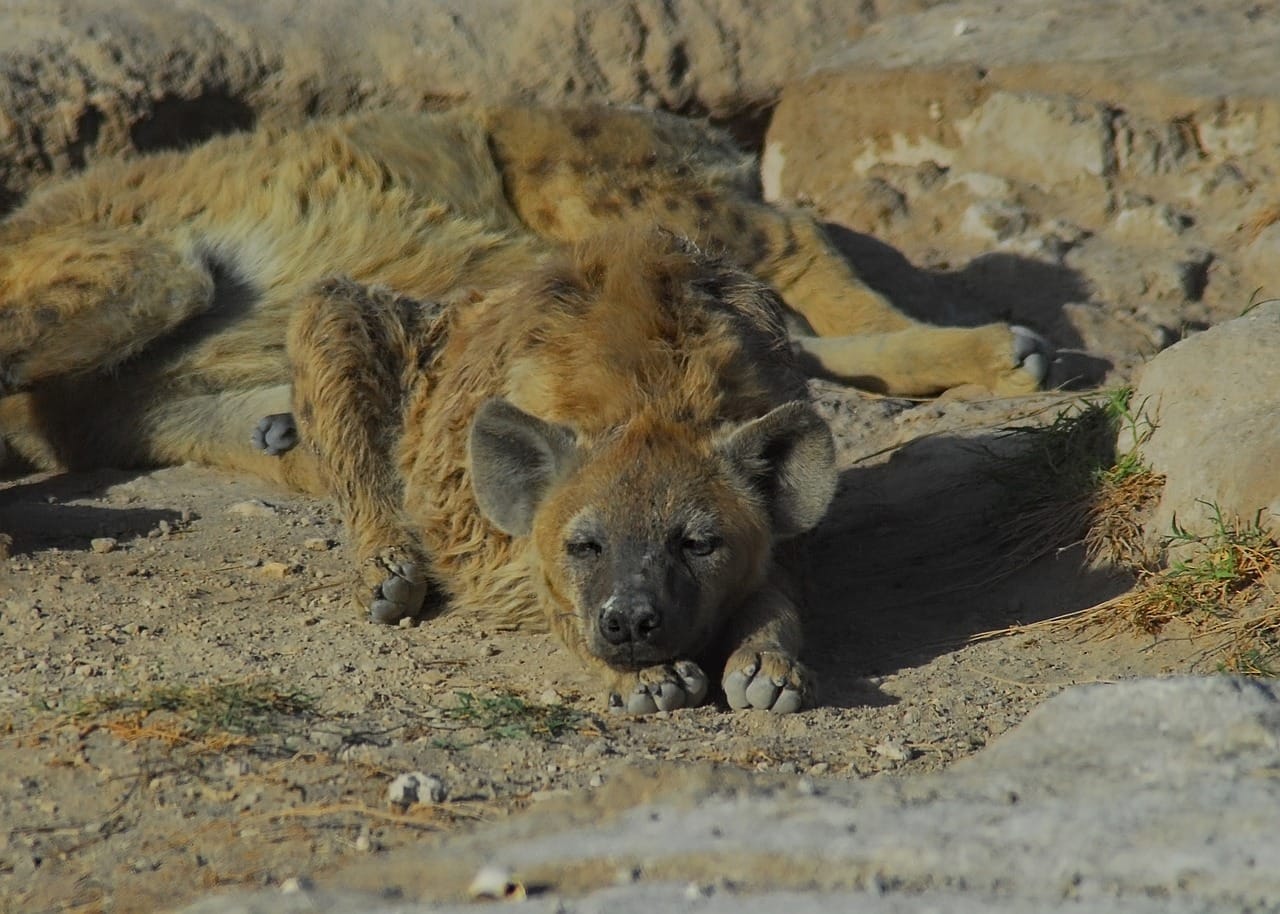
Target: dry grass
(1225, 592)
(1067, 484)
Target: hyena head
(646, 540)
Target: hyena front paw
(768, 681)
(662, 688)
(393, 585)
(276, 434)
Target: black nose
(632, 618)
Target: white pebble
(252, 508)
(496, 882)
(415, 788)
(103, 544)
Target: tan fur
(382, 277)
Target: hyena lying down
(507, 358)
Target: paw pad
(276, 434)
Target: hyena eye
(700, 546)
(583, 549)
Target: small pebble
(496, 882)
(893, 750)
(295, 884)
(318, 544)
(278, 570)
(103, 544)
(415, 788)
(252, 508)
(695, 890)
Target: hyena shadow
(918, 554)
(47, 511)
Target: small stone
(253, 508)
(235, 768)
(278, 570)
(892, 750)
(695, 890)
(318, 544)
(415, 788)
(550, 697)
(496, 882)
(103, 544)
(85, 670)
(295, 884)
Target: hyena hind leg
(353, 350)
(76, 299)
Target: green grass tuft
(245, 708)
(508, 716)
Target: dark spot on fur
(759, 246)
(635, 195)
(604, 206)
(304, 203)
(587, 128)
(672, 204)
(546, 217)
(738, 221)
(704, 201)
(539, 167)
(579, 166)
(46, 316)
(306, 413)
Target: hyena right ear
(515, 458)
(788, 456)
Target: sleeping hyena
(549, 362)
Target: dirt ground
(190, 702)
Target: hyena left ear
(788, 456)
(515, 458)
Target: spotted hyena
(549, 362)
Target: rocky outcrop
(103, 77)
(1147, 796)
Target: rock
(1041, 139)
(252, 508)
(1216, 437)
(103, 544)
(1144, 796)
(414, 789)
(277, 570)
(102, 77)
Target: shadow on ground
(916, 558)
(36, 514)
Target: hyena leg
(860, 338)
(223, 430)
(354, 350)
(570, 176)
(86, 297)
(764, 670)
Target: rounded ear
(515, 458)
(788, 456)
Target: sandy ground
(188, 701)
(125, 586)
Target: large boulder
(1146, 796)
(1214, 403)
